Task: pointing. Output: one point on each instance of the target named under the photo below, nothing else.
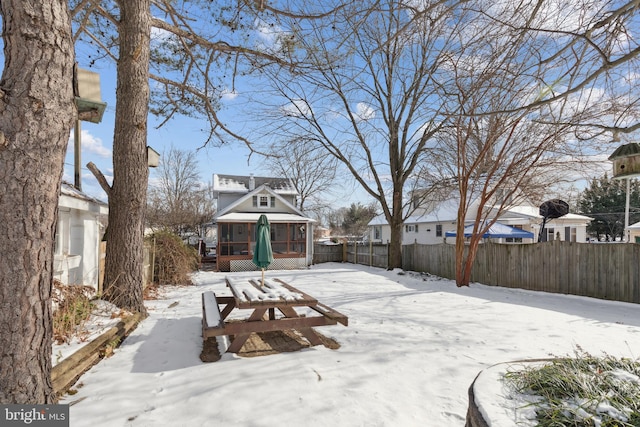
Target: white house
(78, 235)
(429, 226)
(240, 202)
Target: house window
(377, 232)
(570, 234)
(438, 230)
(551, 234)
(410, 228)
(264, 201)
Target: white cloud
(229, 95)
(364, 111)
(90, 144)
(297, 108)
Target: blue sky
(181, 132)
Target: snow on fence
(606, 271)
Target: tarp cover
(496, 231)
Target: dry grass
(72, 307)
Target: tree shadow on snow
(172, 344)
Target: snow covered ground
(413, 346)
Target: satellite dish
(552, 209)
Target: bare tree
(503, 146)
(198, 48)
(178, 200)
(308, 167)
(366, 96)
(36, 115)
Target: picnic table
(275, 306)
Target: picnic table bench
(274, 307)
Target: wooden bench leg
(308, 333)
(210, 350)
(237, 343)
(240, 339)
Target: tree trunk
(127, 198)
(36, 114)
(396, 223)
(466, 263)
(460, 254)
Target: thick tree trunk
(36, 114)
(396, 223)
(127, 198)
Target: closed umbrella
(263, 254)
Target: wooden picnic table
(274, 307)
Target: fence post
(388, 255)
(355, 252)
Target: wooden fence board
(606, 271)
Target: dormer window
(264, 201)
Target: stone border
(475, 418)
(66, 373)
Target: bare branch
(100, 177)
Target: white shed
(81, 225)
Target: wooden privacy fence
(606, 271)
(374, 255)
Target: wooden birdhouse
(88, 99)
(153, 157)
(626, 161)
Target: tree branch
(100, 177)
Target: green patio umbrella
(263, 254)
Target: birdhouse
(626, 161)
(153, 157)
(88, 100)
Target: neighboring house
(78, 235)
(240, 202)
(634, 233)
(428, 226)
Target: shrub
(71, 309)
(174, 260)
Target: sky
(414, 345)
(181, 133)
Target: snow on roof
(68, 189)
(241, 184)
(445, 211)
(534, 211)
(253, 217)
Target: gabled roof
(262, 189)
(71, 197)
(447, 210)
(243, 184)
(534, 212)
